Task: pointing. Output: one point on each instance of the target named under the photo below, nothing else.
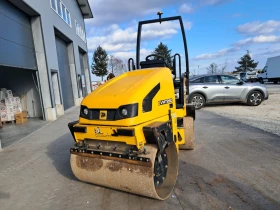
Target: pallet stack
(10, 107)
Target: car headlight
(127, 111)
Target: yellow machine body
(103, 136)
(124, 90)
(131, 128)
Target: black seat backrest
(152, 64)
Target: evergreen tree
(246, 63)
(99, 63)
(163, 50)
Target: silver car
(219, 88)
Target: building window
(80, 32)
(53, 4)
(58, 3)
(61, 10)
(68, 17)
(64, 13)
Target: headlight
(124, 112)
(127, 111)
(85, 111)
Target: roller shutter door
(64, 73)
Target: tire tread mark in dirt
(261, 193)
(177, 197)
(196, 183)
(234, 189)
(180, 202)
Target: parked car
(219, 88)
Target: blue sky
(217, 31)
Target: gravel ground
(265, 116)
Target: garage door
(64, 72)
(16, 42)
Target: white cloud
(125, 55)
(107, 12)
(258, 40)
(125, 39)
(217, 54)
(258, 27)
(213, 2)
(186, 8)
(274, 50)
(117, 11)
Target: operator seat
(153, 63)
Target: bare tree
(116, 65)
(213, 68)
(193, 72)
(224, 67)
(112, 63)
(124, 67)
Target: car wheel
(255, 98)
(197, 100)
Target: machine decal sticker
(97, 130)
(165, 101)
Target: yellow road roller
(131, 128)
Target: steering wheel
(160, 56)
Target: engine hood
(127, 88)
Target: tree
(246, 63)
(116, 65)
(99, 62)
(193, 72)
(224, 67)
(123, 68)
(163, 50)
(212, 69)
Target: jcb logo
(103, 115)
